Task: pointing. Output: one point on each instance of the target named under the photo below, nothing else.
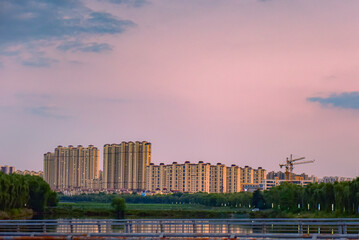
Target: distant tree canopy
(25, 191)
(341, 197)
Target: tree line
(25, 191)
(207, 199)
(340, 197)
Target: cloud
(33, 24)
(40, 105)
(129, 3)
(74, 46)
(38, 62)
(346, 100)
(9, 53)
(46, 112)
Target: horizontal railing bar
(229, 220)
(189, 235)
(349, 224)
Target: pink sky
(217, 81)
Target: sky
(245, 82)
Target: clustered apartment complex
(202, 177)
(72, 167)
(127, 167)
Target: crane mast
(290, 162)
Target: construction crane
(290, 162)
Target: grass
(146, 210)
(23, 213)
(149, 206)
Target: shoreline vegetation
(317, 200)
(24, 197)
(168, 211)
(17, 213)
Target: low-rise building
(270, 183)
(31, 173)
(333, 179)
(7, 169)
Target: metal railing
(225, 228)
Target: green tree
(258, 199)
(52, 200)
(119, 205)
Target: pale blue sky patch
(46, 112)
(347, 100)
(39, 23)
(75, 46)
(38, 62)
(129, 3)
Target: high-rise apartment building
(71, 167)
(50, 170)
(251, 178)
(247, 174)
(259, 175)
(233, 179)
(124, 165)
(202, 177)
(186, 177)
(218, 178)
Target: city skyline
(234, 163)
(244, 82)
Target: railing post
(71, 227)
(340, 229)
(264, 228)
(300, 228)
(344, 228)
(228, 228)
(44, 227)
(194, 226)
(161, 227)
(99, 226)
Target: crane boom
(297, 163)
(297, 159)
(290, 162)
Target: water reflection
(108, 226)
(173, 226)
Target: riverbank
(23, 213)
(175, 211)
(135, 211)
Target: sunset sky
(244, 82)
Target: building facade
(186, 177)
(252, 178)
(201, 177)
(218, 178)
(71, 167)
(124, 165)
(233, 179)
